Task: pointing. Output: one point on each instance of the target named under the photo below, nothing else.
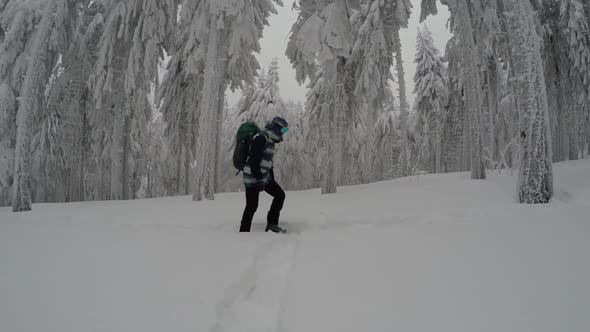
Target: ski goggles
(284, 130)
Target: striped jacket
(260, 160)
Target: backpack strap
(260, 133)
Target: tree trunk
(187, 167)
(116, 154)
(404, 169)
(178, 168)
(492, 106)
(472, 90)
(391, 159)
(206, 142)
(84, 134)
(218, 148)
(438, 143)
(574, 121)
(552, 81)
(125, 160)
(588, 129)
(335, 129)
(367, 167)
(149, 179)
(535, 183)
(561, 110)
(99, 180)
(32, 88)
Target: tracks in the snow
(255, 302)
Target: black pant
(252, 195)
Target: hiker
(259, 175)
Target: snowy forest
(126, 99)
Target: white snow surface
(431, 253)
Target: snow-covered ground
(430, 253)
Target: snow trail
(255, 302)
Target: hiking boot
(275, 229)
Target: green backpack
(246, 132)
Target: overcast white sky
(276, 35)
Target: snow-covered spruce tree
(535, 183)
(490, 48)
(375, 26)
(404, 158)
(323, 34)
(111, 100)
(160, 179)
(61, 139)
(557, 70)
(456, 139)
(135, 35)
(431, 95)
(463, 27)
(52, 36)
(316, 104)
(179, 100)
(317, 111)
(47, 157)
(575, 24)
(460, 140)
(263, 103)
(228, 181)
(293, 167)
(18, 22)
(180, 95)
(7, 106)
(224, 35)
(428, 7)
(388, 138)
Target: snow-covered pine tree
(223, 37)
(263, 103)
(388, 138)
(403, 12)
(52, 36)
(404, 158)
(154, 25)
(60, 142)
(575, 24)
(463, 27)
(159, 178)
(7, 106)
(154, 28)
(18, 22)
(317, 101)
(136, 141)
(111, 100)
(535, 183)
(457, 133)
(375, 26)
(135, 35)
(557, 69)
(48, 159)
(178, 98)
(293, 164)
(431, 97)
(323, 34)
(488, 42)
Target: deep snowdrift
(430, 253)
